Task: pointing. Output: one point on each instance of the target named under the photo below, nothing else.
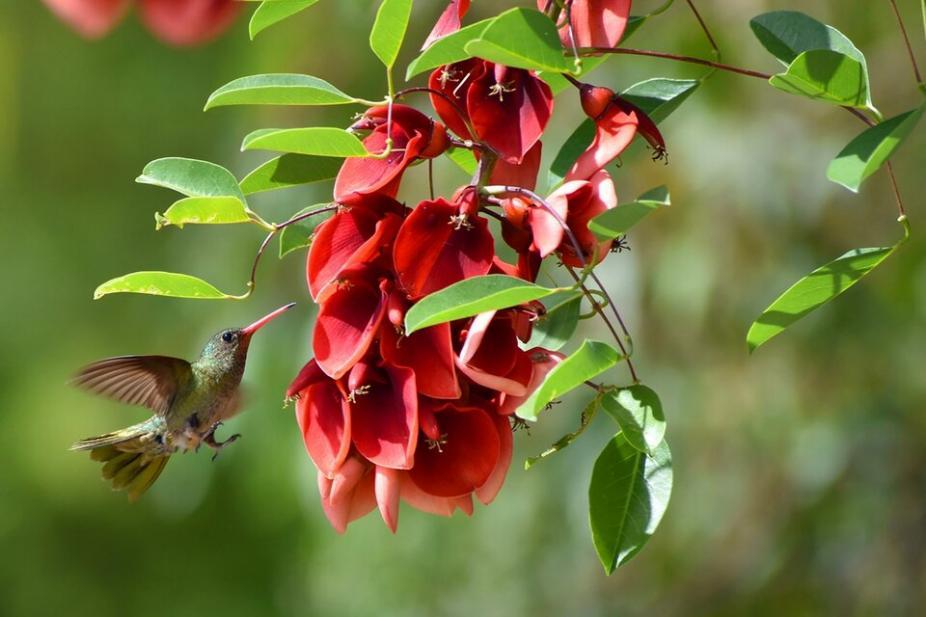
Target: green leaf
(627, 498)
(574, 145)
(827, 76)
(813, 291)
(590, 360)
(870, 150)
(472, 296)
(638, 412)
(290, 170)
(787, 34)
(204, 211)
(316, 140)
(191, 177)
(659, 97)
(389, 29)
(278, 89)
(447, 50)
(161, 284)
(275, 11)
(555, 328)
(558, 83)
(463, 158)
(617, 221)
(522, 38)
(299, 235)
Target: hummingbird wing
(150, 381)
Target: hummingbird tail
(129, 461)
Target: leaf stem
(897, 198)
(715, 50)
(903, 32)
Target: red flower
(542, 362)
(441, 243)
(596, 23)
(177, 22)
(507, 108)
(414, 135)
(577, 202)
(490, 355)
(448, 22)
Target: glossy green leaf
(617, 221)
(590, 360)
(659, 97)
(203, 211)
(827, 76)
(787, 34)
(389, 29)
(470, 297)
(627, 498)
(638, 412)
(290, 170)
(274, 11)
(555, 327)
(813, 291)
(523, 38)
(299, 235)
(278, 89)
(463, 158)
(169, 284)
(574, 145)
(558, 83)
(316, 140)
(447, 50)
(191, 177)
(871, 149)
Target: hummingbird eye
(228, 336)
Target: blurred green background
(800, 472)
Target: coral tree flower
(176, 22)
(595, 23)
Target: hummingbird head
(229, 348)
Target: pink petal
(349, 495)
(386, 487)
(90, 18)
(384, 420)
(448, 22)
(188, 22)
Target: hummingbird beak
(263, 321)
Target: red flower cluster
(177, 22)
(424, 417)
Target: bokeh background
(800, 472)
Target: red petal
(386, 486)
(448, 22)
(465, 458)
(420, 500)
(487, 492)
(614, 131)
(349, 496)
(547, 230)
(385, 420)
(543, 361)
(600, 197)
(510, 115)
(490, 355)
(188, 22)
(453, 82)
(429, 353)
(324, 419)
(431, 252)
(347, 322)
(523, 174)
(90, 18)
(352, 237)
(309, 374)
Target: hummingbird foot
(218, 446)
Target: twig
(896, 189)
(906, 39)
(710, 38)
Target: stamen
(362, 390)
(437, 444)
(620, 245)
(500, 90)
(460, 221)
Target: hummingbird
(189, 401)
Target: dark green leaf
(447, 50)
(813, 291)
(787, 34)
(316, 140)
(275, 11)
(203, 211)
(590, 360)
(290, 170)
(659, 97)
(627, 498)
(556, 327)
(389, 29)
(574, 145)
(191, 177)
(828, 76)
(470, 297)
(299, 235)
(523, 38)
(638, 412)
(870, 150)
(615, 222)
(161, 284)
(278, 89)
(463, 158)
